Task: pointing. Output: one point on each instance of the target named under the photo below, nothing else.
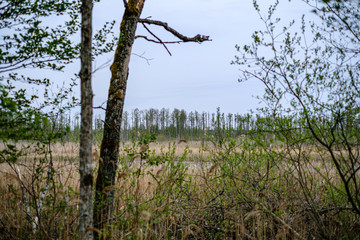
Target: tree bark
(109, 151)
(86, 170)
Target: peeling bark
(86, 170)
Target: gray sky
(196, 76)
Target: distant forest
(179, 124)
(168, 125)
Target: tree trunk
(103, 208)
(86, 170)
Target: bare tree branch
(157, 38)
(152, 40)
(102, 66)
(101, 106)
(142, 56)
(198, 38)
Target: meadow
(233, 189)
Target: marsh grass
(197, 190)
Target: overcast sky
(196, 76)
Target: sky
(197, 76)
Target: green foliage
(311, 88)
(28, 42)
(29, 39)
(20, 120)
(39, 34)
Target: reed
(190, 190)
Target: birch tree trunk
(86, 170)
(103, 207)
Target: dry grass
(209, 195)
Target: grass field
(194, 190)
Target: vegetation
(243, 190)
(315, 83)
(31, 38)
(289, 172)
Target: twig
(142, 56)
(102, 66)
(157, 181)
(157, 39)
(282, 221)
(100, 107)
(152, 40)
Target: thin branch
(142, 56)
(198, 38)
(285, 224)
(102, 66)
(152, 40)
(157, 38)
(101, 106)
(13, 67)
(343, 20)
(13, 64)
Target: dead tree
(109, 151)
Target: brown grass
(211, 195)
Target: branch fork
(198, 38)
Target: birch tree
(29, 40)
(86, 136)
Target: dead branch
(152, 40)
(198, 38)
(101, 106)
(157, 38)
(142, 56)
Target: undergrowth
(246, 188)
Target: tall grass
(238, 189)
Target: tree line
(176, 124)
(167, 124)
